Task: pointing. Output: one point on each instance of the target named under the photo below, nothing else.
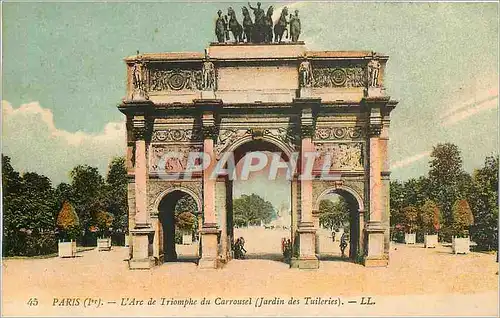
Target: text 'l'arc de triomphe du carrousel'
(257, 88)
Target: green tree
(185, 210)
(397, 202)
(89, 197)
(251, 210)
(483, 199)
(185, 221)
(430, 217)
(116, 194)
(333, 215)
(462, 218)
(445, 175)
(28, 212)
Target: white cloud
(409, 160)
(470, 110)
(477, 98)
(32, 140)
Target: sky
(63, 73)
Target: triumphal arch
(327, 111)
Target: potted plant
(104, 221)
(430, 217)
(410, 214)
(68, 225)
(462, 220)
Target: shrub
(104, 220)
(68, 222)
(410, 214)
(462, 218)
(430, 217)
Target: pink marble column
(209, 232)
(209, 185)
(306, 183)
(307, 232)
(375, 228)
(141, 213)
(142, 254)
(375, 179)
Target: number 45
(32, 302)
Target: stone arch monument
(331, 103)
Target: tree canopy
(333, 215)
(252, 210)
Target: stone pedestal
(375, 254)
(307, 253)
(207, 95)
(142, 257)
(209, 247)
(306, 92)
(374, 92)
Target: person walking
(343, 243)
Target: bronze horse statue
(281, 26)
(247, 25)
(235, 26)
(268, 25)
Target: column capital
(307, 131)
(209, 132)
(139, 127)
(374, 130)
(208, 129)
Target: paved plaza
(427, 274)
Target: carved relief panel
(175, 80)
(352, 76)
(169, 158)
(176, 135)
(339, 156)
(339, 133)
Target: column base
(305, 263)
(146, 263)
(375, 262)
(208, 263)
(375, 256)
(209, 247)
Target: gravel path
(413, 271)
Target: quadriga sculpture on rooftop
(260, 30)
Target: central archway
(263, 238)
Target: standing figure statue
(138, 81)
(220, 27)
(281, 26)
(268, 25)
(258, 29)
(373, 71)
(235, 26)
(305, 74)
(208, 78)
(295, 26)
(247, 25)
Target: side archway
(356, 215)
(165, 221)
